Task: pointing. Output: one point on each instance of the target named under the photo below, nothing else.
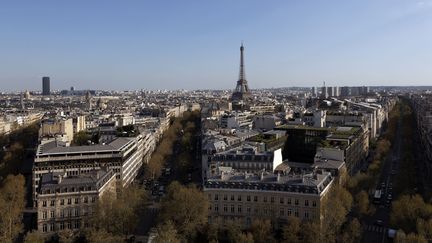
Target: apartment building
(422, 108)
(348, 144)
(66, 201)
(246, 158)
(51, 127)
(244, 197)
(124, 155)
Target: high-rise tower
(46, 86)
(241, 92)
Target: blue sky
(195, 44)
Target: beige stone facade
(65, 202)
(245, 200)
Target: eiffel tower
(241, 92)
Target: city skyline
(194, 45)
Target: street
(171, 172)
(375, 228)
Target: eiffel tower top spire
(242, 75)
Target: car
(379, 222)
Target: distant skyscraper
(365, 90)
(330, 92)
(345, 91)
(46, 86)
(324, 94)
(336, 91)
(241, 92)
(314, 92)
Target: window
(282, 212)
(239, 198)
(76, 200)
(52, 203)
(289, 212)
(289, 201)
(248, 210)
(306, 203)
(76, 225)
(248, 198)
(70, 213)
(51, 228)
(265, 199)
(239, 208)
(44, 228)
(85, 199)
(216, 208)
(62, 214)
(44, 214)
(93, 199)
(232, 208)
(306, 214)
(216, 197)
(232, 197)
(69, 201)
(272, 199)
(313, 203)
(281, 200)
(255, 198)
(62, 202)
(296, 213)
(52, 214)
(61, 225)
(248, 221)
(225, 208)
(69, 226)
(44, 203)
(225, 197)
(76, 212)
(296, 202)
